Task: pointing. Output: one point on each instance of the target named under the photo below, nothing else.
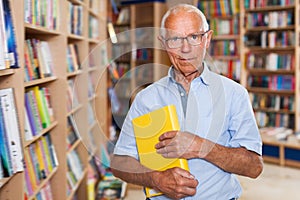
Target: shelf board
(3, 181)
(93, 125)
(224, 17)
(92, 98)
(93, 13)
(122, 24)
(93, 41)
(274, 49)
(75, 73)
(74, 146)
(75, 37)
(6, 72)
(291, 141)
(40, 81)
(93, 68)
(76, 2)
(268, 91)
(270, 8)
(271, 72)
(44, 131)
(34, 29)
(274, 111)
(266, 28)
(74, 110)
(226, 57)
(226, 37)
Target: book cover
(12, 128)
(6, 162)
(10, 34)
(147, 129)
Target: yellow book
(147, 129)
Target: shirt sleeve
(243, 126)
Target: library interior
(70, 69)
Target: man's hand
(175, 183)
(176, 144)
(237, 160)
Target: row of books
(123, 33)
(95, 5)
(271, 119)
(11, 155)
(270, 39)
(271, 61)
(252, 4)
(228, 68)
(38, 59)
(43, 13)
(93, 27)
(91, 113)
(118, 70)
(38, 111)
(223, 47)
(8, 53)
(91, 86)
(219, 8)
(72, 95)
(274, 82)
(45, 193)
(73, 60)
(121, 53)
(75, 19)
(224, 26)
(143, 54)
(73, 134)
(122, 17)
(270, 19)
(272, 102)
(75, 168)
(40, 161)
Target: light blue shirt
(218, 109)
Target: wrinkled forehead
(182, 24)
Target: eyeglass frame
(186, 38)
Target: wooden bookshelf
(92, 31)
(224, 19)
(279, 152)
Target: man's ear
(162, 42)
(208, 39)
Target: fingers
(165, 139)
(168, 135)
(184, 173)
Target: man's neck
(186, 79)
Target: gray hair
(187, 8)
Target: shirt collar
(204, 77)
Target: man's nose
(186, 47)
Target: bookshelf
(57, 63)
(224, 52)
(271, 63)
(138, 58)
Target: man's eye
(174, 39)
(194, 37)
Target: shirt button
(182, 94)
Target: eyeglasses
(193, 39)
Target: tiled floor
(275, 183)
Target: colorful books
(147, 129)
